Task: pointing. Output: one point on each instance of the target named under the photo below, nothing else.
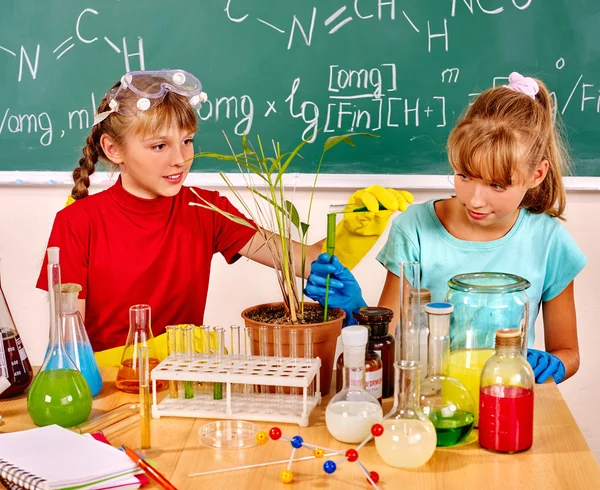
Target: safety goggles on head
(150, 87)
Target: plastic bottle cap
(53, 255)
(373, 314)
(439, 308)
(355, 336)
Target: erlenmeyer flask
(408, 438)
(14, 364)
(352, 412)
(140, 334)
(76, 339)
(445, 400)
(59, 393)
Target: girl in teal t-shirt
(508, 160)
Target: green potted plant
(271, 210)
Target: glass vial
(408, 438)
(381, 342)
(506, 397)
(424, 298)
(445, 400)
(408, 330)
(76, 339)
(352, 412)
(59, 393)
(14, 364)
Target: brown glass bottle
(377, 320)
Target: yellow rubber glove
(356, 234)
(112, 357)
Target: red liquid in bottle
(505, 418)
(14, 364)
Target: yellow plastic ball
(286, 476)
(262, 437)
(318, 453)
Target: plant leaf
(346, 138)
(269, 200)
(289, 159)
(293, 214)
(232, 217)
(304, 228)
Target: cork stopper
(424, 295)
(508, 337)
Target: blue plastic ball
(297, 442)
(329, 466)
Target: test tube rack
(254, 372)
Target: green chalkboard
(402, 69)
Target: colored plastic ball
(262, 437)
(374, 476)
(286, 476)
(297, 442)
(275, 433)
(352, 455)
(377, 430)
(318, 453)
(329, 466)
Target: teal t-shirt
(537, 248)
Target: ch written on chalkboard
(402, 70)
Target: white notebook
(49, 458)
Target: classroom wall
(26, 215)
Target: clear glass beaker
(409, 437)
(351, 413)
(59, 393)
(76, 339)
(14, 364)
(445, 400)
(140, 334)
(506, 398)
(483, 302)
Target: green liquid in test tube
(220, 350)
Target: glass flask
(445, 400)
(14, 364)
(76, 339)
(409, 438)
(483, 303)
(352, 412)
(59, 393)
(506, 398)
(408, 330)
(378, 319)
(140, 334)
(424, 298)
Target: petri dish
(228, 434)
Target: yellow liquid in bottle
(466, 367)
(406, 443)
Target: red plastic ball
(352, 455)
(275, 433)
(374, 476)
(377, 430)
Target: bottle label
(356, 378)
(374, 382)
(22, 353)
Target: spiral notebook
(53, 458)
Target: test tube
(293, 333)
(278, 351)
(144, 370)
(408, 330)
(248, 346)
(309, 354)
(263, 350)
(109, 419)
(172, 334)
(220, 350)
(234, 349)
(188, 354)
(351, 208)
(205, 387)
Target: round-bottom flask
(445, 400)
(352, 412)
(409, 437)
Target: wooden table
(559, 458)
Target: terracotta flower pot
(325, 336)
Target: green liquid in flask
(59, 396)
(455, 429)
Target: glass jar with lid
(484, 302)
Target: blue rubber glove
(545, 365)
(344, 291)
